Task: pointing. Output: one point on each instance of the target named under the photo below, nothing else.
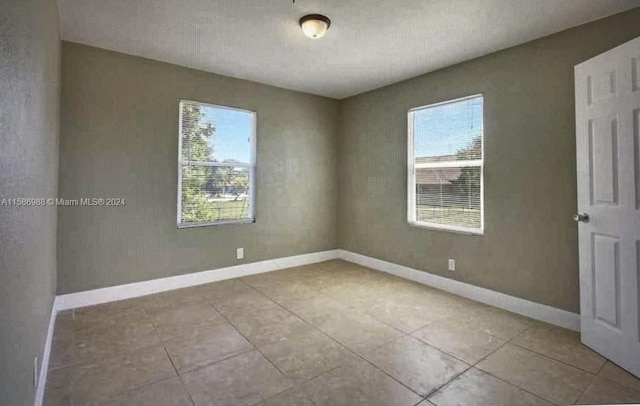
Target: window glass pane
(449, 131)
(215, 134)
(214, 193)
(216, 164)
(449, 196)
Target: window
(445, 165)
(217, 165)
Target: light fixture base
(314, 25)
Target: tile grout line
(475, 366)
(602, 366)
(471, 366)
(359, 356)
(504, 380)
(353, 308)
(160, 343)
(552, 359)
(179, 377)
(510, 341)
(303, 320)
(163, 341)
(255, 348)
(591, 381)
(505, 342)
(208, 363)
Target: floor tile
(245, 379)
(561, 344)
(206, 344)
(616, 374)
(459, 339)
(63, 327)
(273, 285)
(476, 388)
(102, 343)
(410, 311)
(180, 320)
(603, 391)
(549, 379)
(102, 381)
(108, 314)
(108, 309)
(358, 332)
(62, 351)
(170, 392)
(292, 397)
(496, 322)
(406, 311)
(220, 292)
(58, 387)
(308, 321)
(405, 316)
(247, 307)
(313, 307)
(305, 354)
(416, 364)
(264, 324)
(358, 383)
(161, 302)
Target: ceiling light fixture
(314, 25)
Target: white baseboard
(513, 304)
(137, 289)
(44, 362)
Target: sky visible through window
(440, 130)
(232, 136)
(446, 129)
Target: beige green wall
(331, 174)
(530, 247)
(119, 138)
(29, 112)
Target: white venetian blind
(446, 165)
(216, 164)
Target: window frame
(251, 165)
(412, 166)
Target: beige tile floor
(328, 334)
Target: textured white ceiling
(370, 43)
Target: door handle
(583, 217)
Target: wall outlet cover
(35, 371)
(452, 264)
(240, 253)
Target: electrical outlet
(35, 371)
(240, 253)
(452, 264)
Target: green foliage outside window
(209, 193)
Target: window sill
(217, 223)
(451, 229)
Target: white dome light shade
(314, 25)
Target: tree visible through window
(216, 164)
(446, 165)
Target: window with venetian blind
(445, 165)
(216, 165)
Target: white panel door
(607, 141)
